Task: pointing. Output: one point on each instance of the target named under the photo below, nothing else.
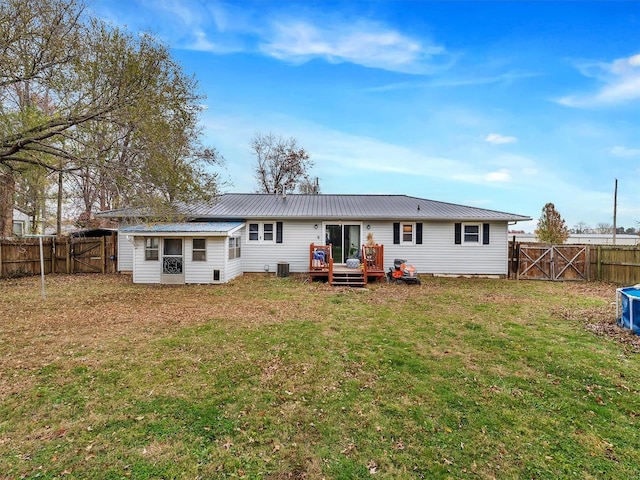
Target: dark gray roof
(248, 206)
(373, 207)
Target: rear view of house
(255, 232)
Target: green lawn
(280, 378)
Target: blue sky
(503, 105)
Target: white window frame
(261, 233)
(235, 249)
(151, 244)
(402, 233)
(18, 227)
(478, 234)
(201, 252)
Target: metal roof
(222, 228)
(247, 206)
(341, 207)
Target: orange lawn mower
(402, 272)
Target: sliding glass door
(345, 241)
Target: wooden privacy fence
(607, 263)
(61, 255)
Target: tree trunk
(7, 191)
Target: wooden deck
(322, 266)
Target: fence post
(599, 264)
(103, 255)
(53, 255)
(68, 255)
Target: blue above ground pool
(629, 304)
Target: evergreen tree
(551, 226)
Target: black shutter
(485, 234)
(418, 233)
(458, 234)
(396, 234)
(278, 232)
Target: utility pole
(615, 210)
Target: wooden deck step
(348, 277)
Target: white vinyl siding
(125, 254)
(438, 253)
(197, 271)
(297, 236)
(144, 271)
(234, 267)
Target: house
(21, 223)
(242, 233)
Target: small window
(268, 232)
(234, 247)
(254, 230)
(471, 233)
(407, 233)
(151, 248)
(199, 253)
(18, 228)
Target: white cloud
(498, 176)
(619, 151)
(497, 139)
(362, 43)
(619, 83)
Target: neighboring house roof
(20, 215)
(210, 228)
(245, 206)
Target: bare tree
(604, 228)
(309, 186)
(581, 227)
(551, 226)
(281, 165)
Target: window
(471, 233)
(268, 232)
(234, 247)
(199, 252)
(254, 231)
(407, 233)
(151, 248)
(265, 232)
(18, 228)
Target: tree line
(92, 113)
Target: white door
(172, 261)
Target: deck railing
(320, 257)
(372, 258)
